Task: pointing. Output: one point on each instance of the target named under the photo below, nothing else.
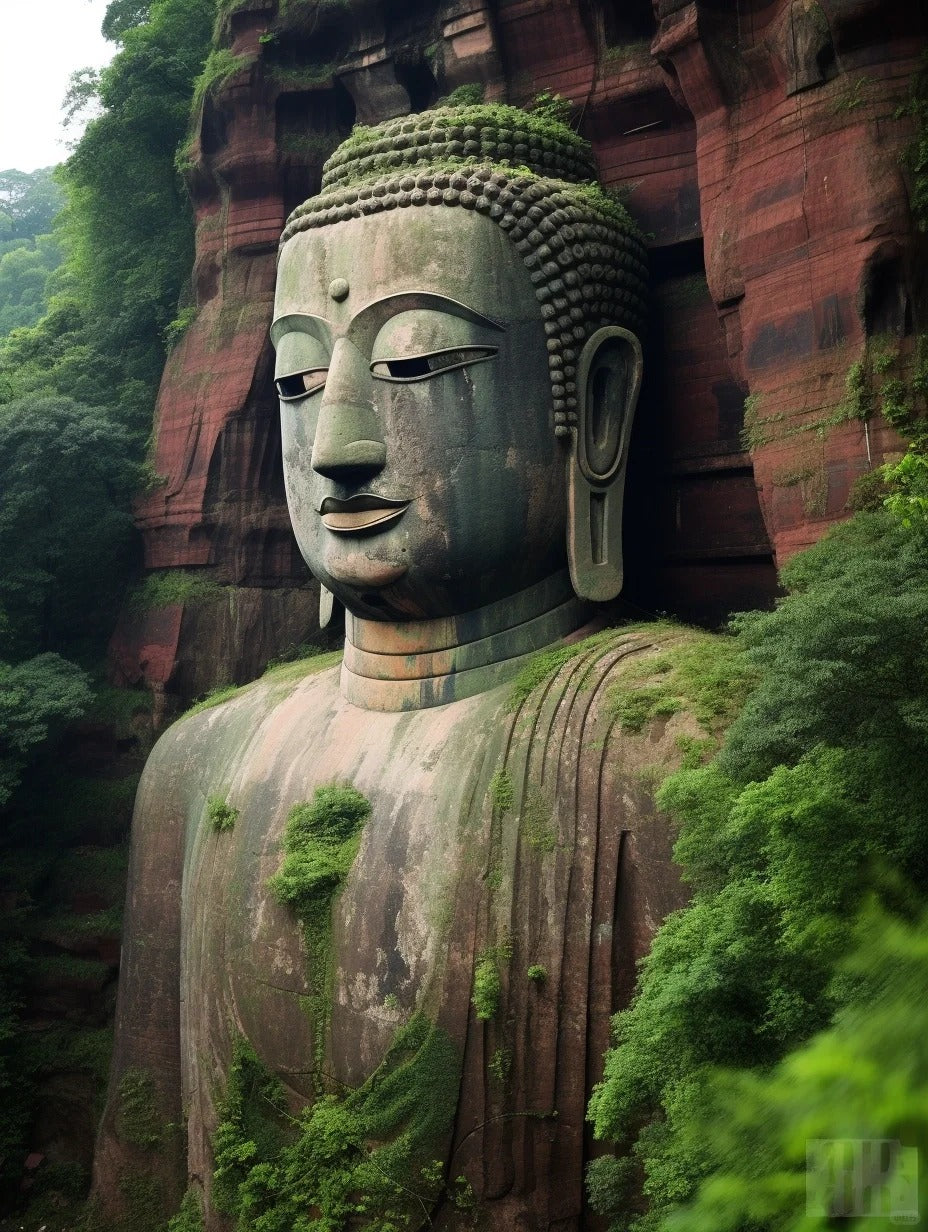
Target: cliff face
(759, 145)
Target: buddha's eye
(301, 384)
(420, 367)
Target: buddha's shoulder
(633, 681)
(234, 714)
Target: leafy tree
(128, 225)
(37, 699)
(814, 806)
(24, 275)
(65, 527)
(29, 201)
(866, 1077)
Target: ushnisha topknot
(535, 178)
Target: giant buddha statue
(388, 1011)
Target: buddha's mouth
(364, 512)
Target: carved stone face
(422, 473)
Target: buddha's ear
(608, 381)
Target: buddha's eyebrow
(382, 309)
(376, 313)
(301, 323)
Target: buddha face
(422, 473)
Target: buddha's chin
(359, 571)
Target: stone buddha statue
(388, 1011)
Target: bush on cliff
(812, 813)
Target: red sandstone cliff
(760, 145)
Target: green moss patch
(545, 665)
(136, 1117)
(704, 674)
(165, 587)
(369, 1158)
(321, 841)
(487, 979)
(501, 792)
(221, 815)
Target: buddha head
(456, 325)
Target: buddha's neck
(409, 665)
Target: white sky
(41, 44)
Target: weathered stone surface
(774, 136)
(190, 648)
(809, 240)
(574, 883)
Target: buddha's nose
(348, 442)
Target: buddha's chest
(332, 997)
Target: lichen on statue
(458, 365)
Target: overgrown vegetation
(84, 304)
(811, 815)
(221, 815)
(321, 841)
(136, 1119)
(488, 984)
(365, 1158)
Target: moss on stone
(368, 1158)
(252, 1126)
(321, 840)
(536, 823)
(501, 792)
(546, 664)
(701, 673)
(221, 815)
(487, 980)
(137, 1121)
(500, 1066)
(165, 587)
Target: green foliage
(865, 1077)
(164, 587)
(65, 524)
(320, 843)
(465, 96)
(190, 1216)
(25, 273)
(547, 664)
(364, 1159)
(487, 981)
(220, 814)
(221, 66)
(136, 1118)
(501, 792)
(37, 699)
(552, 107)
(127, 227)
(537, 974)
(251, 1126)
(321, 840)
(608, 1184)
(499, 1067)
(175, 330)
(29, 201)
(813, 808)
(907, 483)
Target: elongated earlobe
(608, 381)
(326, 603)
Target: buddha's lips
(360, 513)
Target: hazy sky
(42, 43)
